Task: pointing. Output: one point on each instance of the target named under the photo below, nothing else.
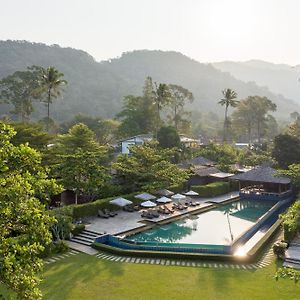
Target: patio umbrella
(191, 193)
(120, 202)
(148, 204)
(145, 196)
(178, 197)
(163, 200)
(164, 192)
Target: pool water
(219, 226)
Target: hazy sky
(206, 30)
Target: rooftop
(261, 174)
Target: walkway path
(59, 257)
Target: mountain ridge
(97, 88)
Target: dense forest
(97, 88)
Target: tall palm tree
(228, 100)
(51, 84)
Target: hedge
(291, 222)
(91, 208)
(212, 189)
(177, 188)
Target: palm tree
(51, 84)
(228, 100)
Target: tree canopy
(24, 224)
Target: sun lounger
(110, 213)
(128, 208)
(101, 214)
(146, 214)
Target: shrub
(91, 208)
(291, 222)
(55, 248)
(279, 249)
(177, 188)
(78, 228)
(212, 189)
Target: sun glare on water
(240, 252)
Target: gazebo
(262, 183)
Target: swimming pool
(218, 232)
(219, 226)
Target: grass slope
(87, 277)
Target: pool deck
(128, 221)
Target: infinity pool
(219, 226)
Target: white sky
(206, 30)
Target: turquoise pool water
(219, 226)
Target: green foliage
(19, 90)
(31, 133)
(78, 228)
(50, 84)
(179, 97)
(288, 273)
(53, 248)
(286, 150)
(148, 168)
(177, 188)
(212, 189)
(279, 249)
(228, 101)
(24, 224)
(225, 154)
(80, 162)
(293, 172)
(291, 221)
(251, 119)
(168, 137)
(91, 208)
(105, 130)
(97, 88)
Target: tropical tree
(51, 84)
(179, 97)
(20, 89)
(168, 137)
(228, 101)
(24, 223)
(293, 172)
(148, 167)
(80, 163)
(286, 150)
(252, 119)
(161, 99)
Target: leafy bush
(91, 208)
(78, 228)
(212, 189)
(279, 249)
(291, 222)
(55, 248)
(177, 188)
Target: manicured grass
(87, 277)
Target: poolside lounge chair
(146, 214)
(110, 213)
(154, 213)
(168, 210)
(101, 214)
(128, 208)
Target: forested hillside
(280, 78)
(97, 88)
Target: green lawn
(87, 277)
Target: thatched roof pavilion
(262, 181)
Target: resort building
(262, 183)
(138, 140)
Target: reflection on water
(218, 226)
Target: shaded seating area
(263, 183)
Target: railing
(262, 195)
